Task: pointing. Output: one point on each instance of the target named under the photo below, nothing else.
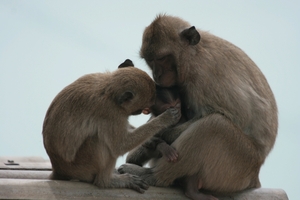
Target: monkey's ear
(126, 96)
(191, 35)
(126, 63)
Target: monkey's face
(165, 42)
(158, 47)
(162, 62)
(163, 70)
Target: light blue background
(45, 45)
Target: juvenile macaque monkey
(222, 148)
(86, 126)
(156, 147)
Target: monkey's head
(165, 42)
(136, 90)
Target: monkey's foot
(168, 152)
(133, 169)
(191, 189)
(123, 181)
(145, 174)
(136, 183)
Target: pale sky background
(46, 45)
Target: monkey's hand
(167, 151)
(171, 116)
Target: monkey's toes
(167, 151)
(127, 168)
(136, 183)
(172, 158)
(122, 169)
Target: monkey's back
(89, 106)
(72, 114)
(229, 82)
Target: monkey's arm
(152, 148)
(139, 135)
(167, 151)
(158, 145)
(141, 155)
(169, 135)
(152, 143)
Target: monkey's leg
(214, 149)
(160, 148)
(122, 181)
(134, 169)
(141, 155)
(169, 135)
(167, 151)
(191, 189)
(147, 173)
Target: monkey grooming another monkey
(156, 147)
(234, 127)
(86, 126)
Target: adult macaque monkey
(156, 147)
(222, 148)
(85, 128)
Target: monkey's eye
(161, 58)
(148, 60)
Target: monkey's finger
(175, 155)
(174, 158)
(139, 184)
(144, 185)
(171, 158)
(140, 187)
(178, 105)
(137, 188)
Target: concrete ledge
(49, 189)
(24, 174)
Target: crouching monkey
(86, 126)
(222, 148)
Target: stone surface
(27, 178)
(49, 189)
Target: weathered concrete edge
(48, 189)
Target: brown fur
(156, 147)
(85, 128)
(235, 123)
